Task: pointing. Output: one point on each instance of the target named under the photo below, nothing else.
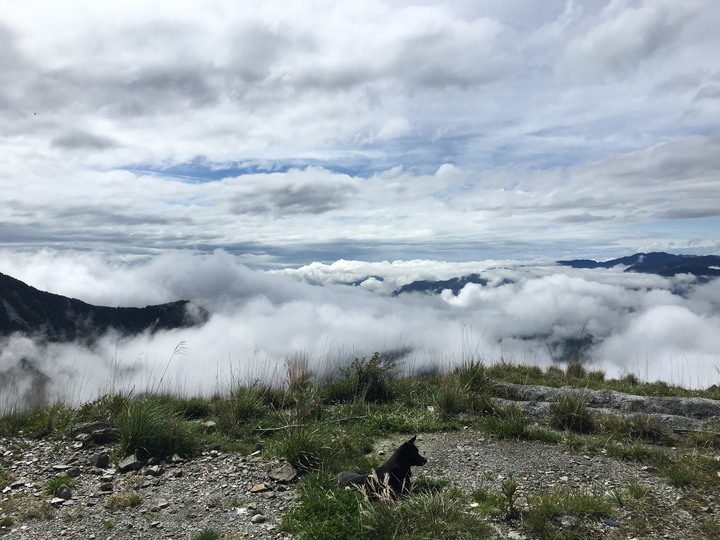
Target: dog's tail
(352, 478)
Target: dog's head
(410, 454)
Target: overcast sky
(289, 132)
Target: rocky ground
(228, 493)
(245, 496)
(470, 461)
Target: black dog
(392, 476)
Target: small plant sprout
(509, 492)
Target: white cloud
(394, 128)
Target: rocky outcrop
(677, 413)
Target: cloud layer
(655, 327)
(361, 130)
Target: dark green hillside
(53, 317)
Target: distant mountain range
(52, 317)
(704, 267)
(663, 264)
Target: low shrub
(370, 380)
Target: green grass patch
(509, 422)
(424, 516)
(325, 511)
(105, 408)
(565, 515)
(328, 512)
(639, 426)
(52, 421)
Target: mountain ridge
(56, 318)
(658, 262)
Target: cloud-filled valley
(657, 328)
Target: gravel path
(226, 492)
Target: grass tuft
(207, 534)
(509, 422)
(122, 499)
(152, 429)
(54, 483)
(425, 515)
(302, 447)
(570, 412)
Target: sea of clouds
(657, 328)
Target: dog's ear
(412, 441)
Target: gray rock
(130, 463)
(73, 472)
(63, 492)
(258, 518)
(89, 427)
(100, 460)
(153, 470)
(284, 475)
(83, 438)
(105, 435)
